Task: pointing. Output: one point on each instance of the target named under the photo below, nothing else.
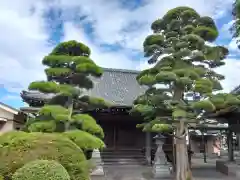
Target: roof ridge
(121, 70)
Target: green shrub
(88, 124)
(19, 148)
(41, 170)
(86, 141)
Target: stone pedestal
(161, 168)
(97, 161)
(148, 148)
(228, 168)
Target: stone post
(230, 146)
(161, 168)
(148, 147)
(97, 161)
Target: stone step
(118, 165)
(122, 155)
(124, 163)
(131, 151)
(123, 159)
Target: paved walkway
(200, 170)
(207, 171)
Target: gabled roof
(118, 86)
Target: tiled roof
(116, 85)
(36, 95)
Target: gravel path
(200, 170)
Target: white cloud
(110, 21)
(23, 33)
(231, 71)
(233, 45)
(225, 30)
(22, 43)
(10, 97)
(116, 59)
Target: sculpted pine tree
(182, 72)
(68, 74)
(225, 104)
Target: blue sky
(113, 29)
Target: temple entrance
(121, 133)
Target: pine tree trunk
(70, 108)
(183, 171)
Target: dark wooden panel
(235, 128)
(121, 132)
(109, 135)
(129, 137)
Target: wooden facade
(120, 129)
(121, 132)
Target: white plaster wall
(7, 126)
(6, 114)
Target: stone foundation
(228, 168)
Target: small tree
(69, 73)
(183, 69)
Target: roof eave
(9, 108)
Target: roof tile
(116, 85)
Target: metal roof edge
(9, 107)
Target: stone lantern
(98, 172)
(161, 168)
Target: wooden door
(128, 136)
(109, 135)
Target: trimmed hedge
(19, 148)
(86, 141)
(41, 170)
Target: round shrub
(86, 141)
(41, 170)
(17, 149)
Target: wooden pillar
(114, 136)
(204, 147)
(148, 147)
(238, 141)
(230, 146)
(238, 136)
